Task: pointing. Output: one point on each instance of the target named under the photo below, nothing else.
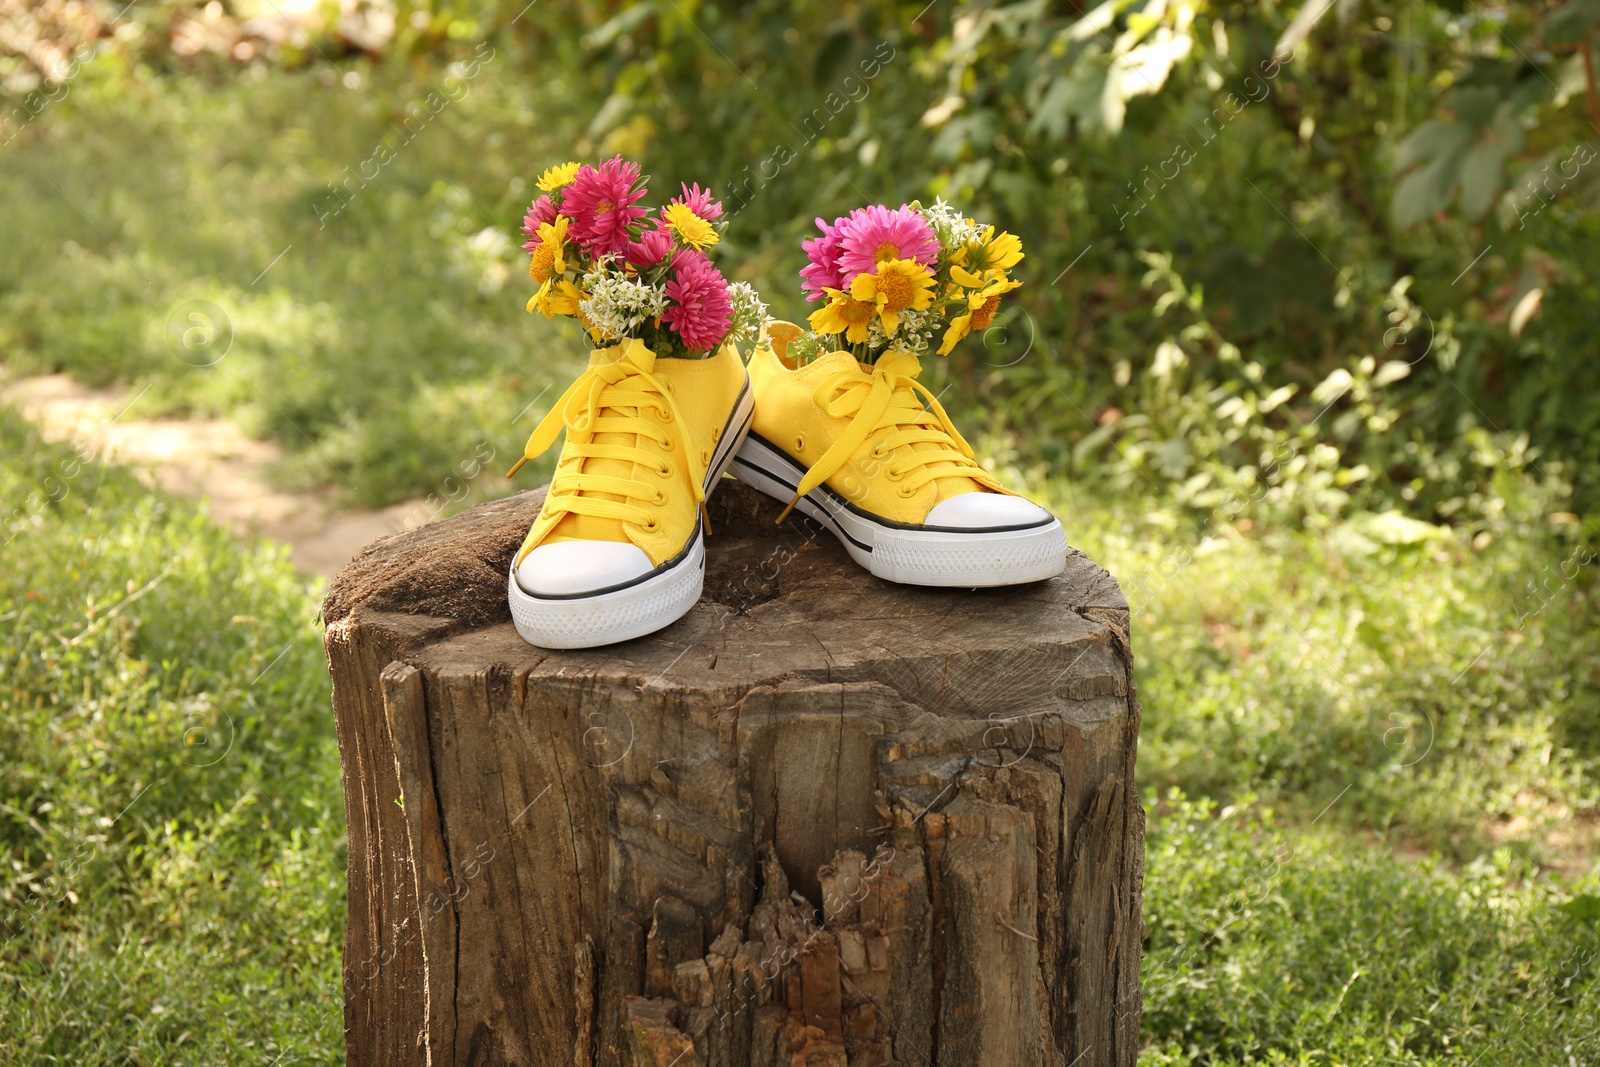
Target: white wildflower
(912, 334)
(949, 225)
(749, 316)
(618, 305)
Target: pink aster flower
(700, 309)
(651, 247)
(699, 201)
(600, 204)
(823, 270)
(683, 257)
(542, 210)
(875, 234)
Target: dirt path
(208, 459)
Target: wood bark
(822, 820)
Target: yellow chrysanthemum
(897, 285)
(691, 229)
(987, 251)
(843, 314)
(557, 177)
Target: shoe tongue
(632, 350)
(572, 527)
(833, 362)
(944, 488)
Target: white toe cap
(566, 568)
(976, 511)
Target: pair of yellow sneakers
(618, 549)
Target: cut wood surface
(823, 819)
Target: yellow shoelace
(612, 398)
(889, 397)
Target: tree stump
(823, 819)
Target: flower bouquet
(600, 257)
(893, 278)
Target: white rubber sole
(911, 555)
(644, 606)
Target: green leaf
(1075, 95)
(1468, 153)
(1432, 139)
(1585, 907)
(1393, 528)
(1569, 25)
(1391, 372)
(1483, 168)
(1277, 396)
(1368, 633)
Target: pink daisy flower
(874, 234)
(823, 270)
(699, 201)
(600, 204)
(651, 247)
(542, 210)
(700, 309)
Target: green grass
(1416, 689)
(1277, 945)
(171, 817)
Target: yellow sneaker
(855, 448)
(618, 550)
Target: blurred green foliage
(1297, 172)
(1387, 182)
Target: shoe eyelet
(800, 443)
(652, 526)
(664, 471)
(905, 492)
(716, 437)
(894, 475)
(705, 458)
(878, 452)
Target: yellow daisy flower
(560, 298)
(547, 260)
(691, 229)
(983, 299)
(960, 326)
(897, 285)
(843, 314)
(983, 285)
(987, 251)
(548, 266)
(557, 177)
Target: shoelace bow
(888, 398)
(611, 398)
